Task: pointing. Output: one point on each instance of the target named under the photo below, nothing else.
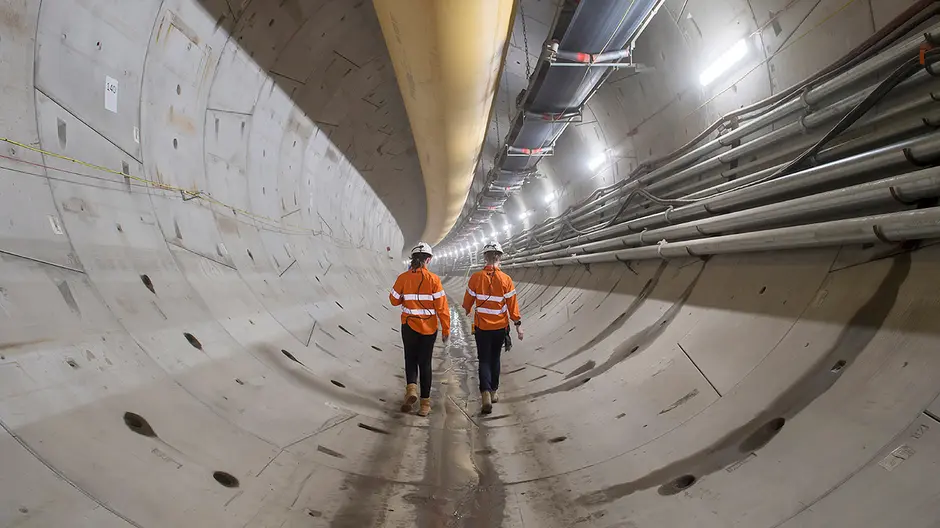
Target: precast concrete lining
(195, 328)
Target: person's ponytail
(416, 262)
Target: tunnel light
(523, 215)
(596, 162)
(724, 63)
(550, 197)
(507, 228)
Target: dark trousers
(489, 348)
(418, 350)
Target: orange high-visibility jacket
(494, 295)
(421, 297)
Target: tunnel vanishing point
(721, 218)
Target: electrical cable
(901, 73)
(899, 26)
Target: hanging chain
(525, 40)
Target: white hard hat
(422, 247)
(491, 247)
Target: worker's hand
(466, 311)
(445, 338)
(519, 332)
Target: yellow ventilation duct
(447, 56)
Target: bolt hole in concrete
(192, 340)
(148, 283)
(138, 424)
(762, 436)
(677, 485)
(557, 439)
(178, 89)
(175, 143)
(61, 128)
(71, 363)
(340, 305)
(762, 290)
(376, 348)
(252, 257)
(290, 356)
(338, 384)
(240, 382)
(225, 479)
(838, 366)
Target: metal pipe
(793, 129)
(898, 190)
(594, 65)
(891, 228)
(905, 154)
(873, 65)
(588, 58)
(729, 179)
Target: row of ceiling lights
(721, 65)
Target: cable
(902, 24)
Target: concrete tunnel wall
(790, 387)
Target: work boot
(425, 407)
(494, 396)
(487, 402)
(411, 396)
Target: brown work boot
(487, 402)
(494, 396)
(425, 407)
(411, 396)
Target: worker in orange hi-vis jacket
(421, 297)
(493, 294)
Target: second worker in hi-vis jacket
(493, 296)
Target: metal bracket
(528, 152)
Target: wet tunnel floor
(460, 485)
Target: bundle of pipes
(689, 197)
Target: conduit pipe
(887, 228)
(891, 56)
(715, 163)
(730, 179)
(910, 153)
(898, 190)
(923, 122)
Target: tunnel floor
(459, 486)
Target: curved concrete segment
(194, 330)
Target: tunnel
(204, 204)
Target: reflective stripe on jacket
(421, 297)
(493, 294)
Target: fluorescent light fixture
(598, 160)
(523, 215)
(550, 197)
(508, 228)
(725, 62)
